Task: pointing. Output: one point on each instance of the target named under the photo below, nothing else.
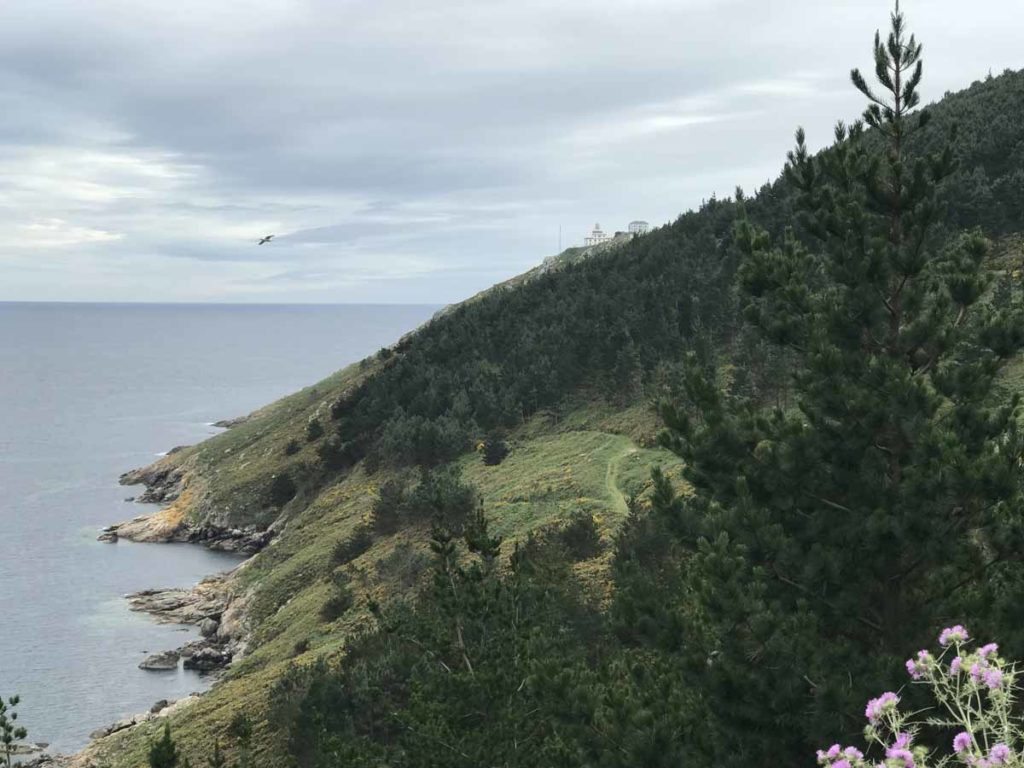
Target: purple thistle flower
(954, 666)
(988, 650)
(999, 754)
(954, 634)
(844, 763)
(994, 679)
(917, 668)
(900, 754)
(962, 741)
(833, 751)
(902, 740)
(853, 753)
(876, 707)
(913, 670)
(976, 672)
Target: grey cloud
(404, 149)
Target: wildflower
(844, 763)
(987, 650)
(999, 754)
(954, 666)
(955, 634)
(977, 672)
(913, 670)
(917, 667)
(853, 753)
(962, 741)
(902, 740)
(900, 754)
(993, 679)
(877, 707)
(833, 752)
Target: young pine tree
(10, 731)
(163, 753)
(217, 759)
(828, 535)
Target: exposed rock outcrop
(211, 606)
(164, 482)
(229, 423)
(163, 661)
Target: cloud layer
(402, 150)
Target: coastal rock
(28, 748)
(207, 600)
(163, 661)
(55, 761)
(163, 526)
(120, 725)
(108, 534)
(229, 423)
(208, 659)
(208, 627)
(164, 481)
(159, 706)
(246, 541)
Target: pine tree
(217, 759)
(240, 730)
(828, 538)
(10, 731)
(163, 753)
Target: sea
(88, 391)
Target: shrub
(314, 430)
(282, 489)
(347, 550)
(405, 565)
(337, 605)
(580, 536)
(301, 647)
(387, 509)
(292, 448)
(495, 450)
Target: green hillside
(351, 476)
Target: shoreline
(212, 605)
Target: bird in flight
(264, 240)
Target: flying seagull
(264, 240)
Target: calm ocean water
(87, 392)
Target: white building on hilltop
(637, 228)
(597, 237)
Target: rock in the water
(161, 661)
(108, 534)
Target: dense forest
(615, 322)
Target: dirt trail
(612, 475)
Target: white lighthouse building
(597, 236)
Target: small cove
(86, 393)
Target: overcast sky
(406, 150)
